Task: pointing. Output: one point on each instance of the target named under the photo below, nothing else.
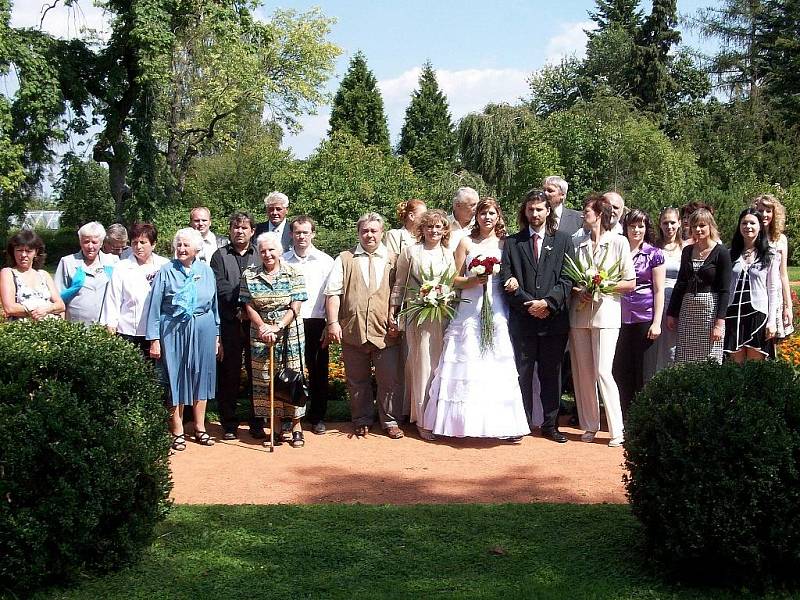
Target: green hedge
(713, 455)
(84, 475)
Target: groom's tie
(534, 238)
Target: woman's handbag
(291, 385)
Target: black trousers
(235, 339)
(316, 358)
(628, 368)
(545, 353)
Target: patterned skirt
(292, 345)
(696, 320)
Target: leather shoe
(229, 435)
(258, 434)
(555, 435)
(394, 432)
(318, 428)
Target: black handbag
(290, 385)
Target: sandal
(298, 441)
(178, 442)
(277, 440)
(362, 430)
(202, 438)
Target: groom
(538, 290)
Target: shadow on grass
(513, 551)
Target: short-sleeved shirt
(637, 306)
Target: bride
(474, 392)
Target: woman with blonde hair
(408, 214)
(662, 353)
(774, 215)
(429, 256)
(701, 296)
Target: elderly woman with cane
(272, 293)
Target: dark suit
(286, 236)
(539, 342)
(570, 221)
(234, 334)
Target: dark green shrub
(84, 476)
(713, 453)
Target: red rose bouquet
(482, 265)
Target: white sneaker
(588, 436)
(616, 442)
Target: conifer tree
(427, 138)
(358, 106)
(653, 83)
(781, 23)
(616, 13)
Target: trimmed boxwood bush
(713, 453)
(84, 473)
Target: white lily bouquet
(595, 278)
(435, 300)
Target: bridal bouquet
(595, 278)
(482, 265)
(435, 300)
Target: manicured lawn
(794, 273)
(456, 551)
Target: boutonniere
(548, 248)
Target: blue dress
(188, 348)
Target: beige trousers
(592, 353)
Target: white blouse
(126, 303)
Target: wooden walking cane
(271, 398)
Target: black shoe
(229, 435)
(258, 434)
(319, 428)
(555, 435)
(277, 439)
(298, 441)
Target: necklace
(747, 254)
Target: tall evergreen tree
(358, 106)
(427, 138)
(781, 20)
(737, 66)
(653, 83)
(616, 13)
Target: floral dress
(271, 300)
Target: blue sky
(482, 51)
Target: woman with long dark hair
(752, 317)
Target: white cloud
(571, 39)
(61, 21)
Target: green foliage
(492, 142)
(712, 451)
(358, 107)
(83, 193)
(781, 43)
(652, 80)
(344, 179)
(83, 440)
(427, 138)
(605, 145)
(616, 14)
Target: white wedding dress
(474, 394)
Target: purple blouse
(637, 306)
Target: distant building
(38, 219)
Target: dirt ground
(338, 467)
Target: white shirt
(540, 233)
(125, 307)
(209, 247)
(315, 267)
(278, 228)
(335, 286)
(457, 232)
